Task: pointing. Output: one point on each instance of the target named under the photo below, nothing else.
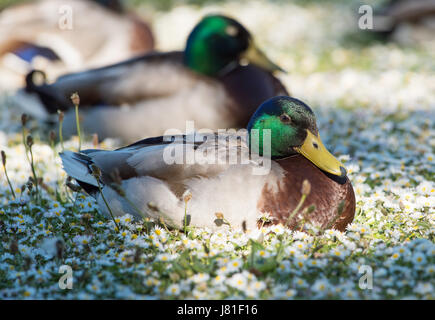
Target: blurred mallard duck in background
(38, 34)
(406, 21)
(217, 81)
(141, 180)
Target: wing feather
(123, 82)
(173, 158)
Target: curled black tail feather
(89, 188)
(77, 165)
(50, 98)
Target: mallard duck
(160, 177)
(61, 36)
(210, 82)
(406, 21)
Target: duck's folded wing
(151, 75)
(181, 157)
(173, 159)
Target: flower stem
(6, 173)
(32, 165)
(295, 211)
(107, 205)
(78, 126)
(60, 131)
(185, 216)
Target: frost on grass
(376, 109)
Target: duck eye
(231, 31)
(285, 118)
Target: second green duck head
(218, 44)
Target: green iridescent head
(293, 129)
(218, 43)
(113, 5)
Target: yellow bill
(257, 57)
(314, 150)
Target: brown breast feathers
(326, 195)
